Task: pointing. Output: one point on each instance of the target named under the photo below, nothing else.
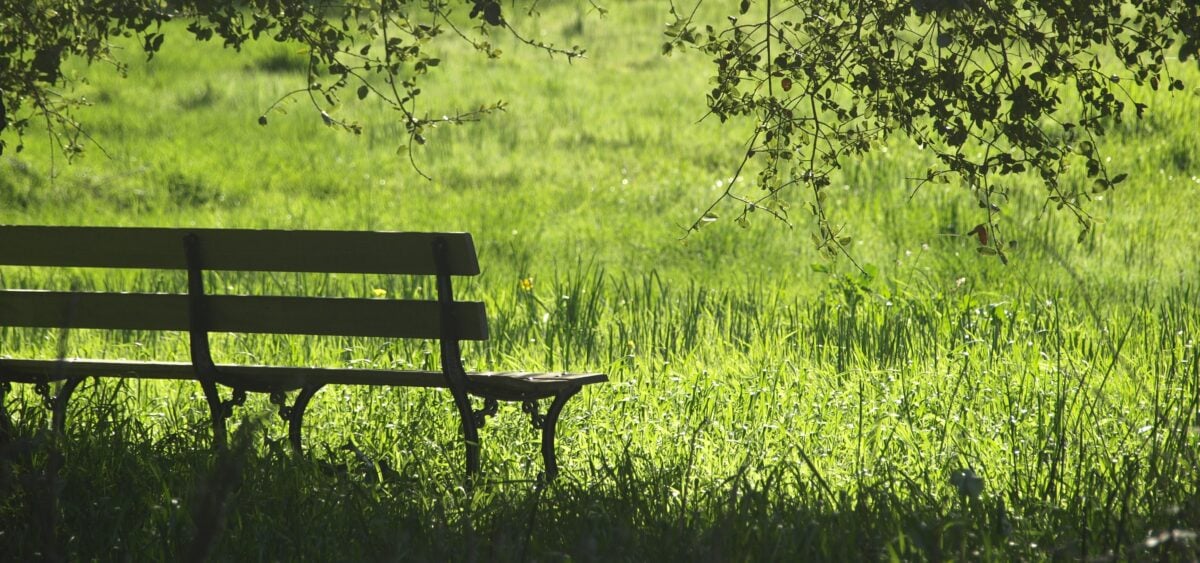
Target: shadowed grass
(764, 404)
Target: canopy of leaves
(978, 84)
(989, 88)
(374, 48)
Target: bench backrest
(242, 250)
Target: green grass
(760, 407)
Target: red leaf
(981, 232)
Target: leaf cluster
(37, 36)
(987, 88)
(374, 48)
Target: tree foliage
(989, 88)
(369, 48)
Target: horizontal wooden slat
(232, 313)
(236, 249)
(267, 378)
(255, 378)
(522, 385)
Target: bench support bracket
(294, 414)
(490, 407)
(202, 362)
(548, 424)
(58, 415)
(470, 432)
(452, 369)
(220, 410)
(56, 402)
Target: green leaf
(492, 15)
(870, 272)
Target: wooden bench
(197, 250)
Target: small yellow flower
(379, 293)
(527, 284)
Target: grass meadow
(764, 403)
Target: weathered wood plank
(283, 377)
(235, 313)
(236, 249)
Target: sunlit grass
(764, 404)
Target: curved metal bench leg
(549, 427)
(216, 410)
(58, 417)
(295, 415)
(470, 432)
(220, 410)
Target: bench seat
(521, 385)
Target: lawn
(765, 403)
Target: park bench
(197, 313)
